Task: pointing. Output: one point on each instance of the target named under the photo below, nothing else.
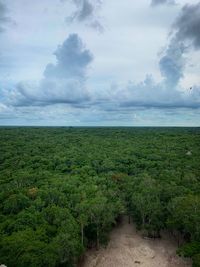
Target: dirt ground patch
(127, 248)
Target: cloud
(187, 25)
(172, 63)
(63, 82)
(72, 60)
(161, 2)
(3, 16)
(86, 12)
(49, 92)
(185, 35)
(149, 94)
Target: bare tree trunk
(129, 219)
(97, 237)
(143, 221)
(82, 234)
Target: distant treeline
(63, 189)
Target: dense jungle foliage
(62, 189)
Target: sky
(100, 62)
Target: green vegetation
(62, 189)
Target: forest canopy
(63, 189)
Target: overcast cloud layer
(116, 78)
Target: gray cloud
(187, 25)
(172, 63)
(4, 19)
(161, 2)
(149, 94)
(49, 92)
(86, 12)
(72, 60)
(185, 35)
(63, 82)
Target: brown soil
(127, 248)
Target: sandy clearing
(128, 249)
